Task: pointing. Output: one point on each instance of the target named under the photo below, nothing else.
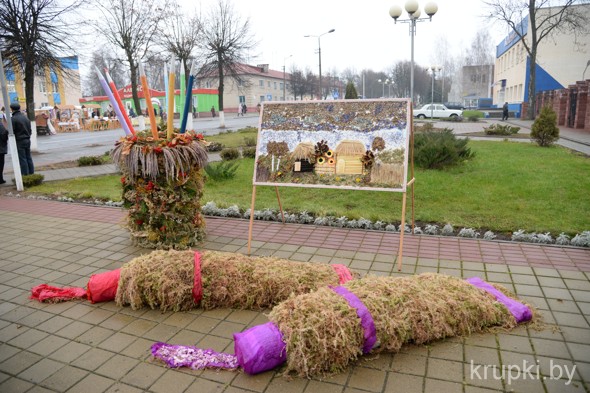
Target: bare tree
(33, 34)
(544, 19)
(131, 25)
(442, 56)
(226, 42)
(102, 59)
(181, 36)
(482, 49)
(297, 82)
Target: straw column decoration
(162, 188)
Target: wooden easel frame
(409, 184)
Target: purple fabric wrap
(519, 310)
(260, 348)
(367, 323)
(177, 356)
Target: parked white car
(436, 110)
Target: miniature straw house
(303, 156)
(348, 157)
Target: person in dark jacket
(3, 150)
(21, 126)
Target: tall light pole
(385, 82)
(413, 9)
(433, 69)
(284, 76)
(320, 54)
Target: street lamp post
(413, 9)
(385, 82)
(320, 54)
(284, 76)
(433, 69)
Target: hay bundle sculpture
(162, 188)
(182, 280)
(321, 332)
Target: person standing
(3, 150)
(212, 111)
(21, 126)
(505, 111)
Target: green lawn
(508, 186)
(236, 138)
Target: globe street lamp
(413, 9)
(385, 82)
(433, 69)
(320, 54)
(284, 76)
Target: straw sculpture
(162, 188)
(321, 332)
(182, 280)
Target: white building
(561, 60)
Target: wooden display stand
(408, 181)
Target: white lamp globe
(411, 6)
(430, 8)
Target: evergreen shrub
(230, 153)
(440, 149)
(544, 130)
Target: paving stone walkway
(83, 347)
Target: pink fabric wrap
(197, 280)
(344, 275)
(102, 287)
(46, 292)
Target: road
(69, 146)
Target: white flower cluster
(211, 209)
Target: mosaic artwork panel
(351, 144)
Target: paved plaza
(82, 347)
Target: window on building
(242, 98)
(281, 85)
(261, 98)
(42, 86)
(261, 83)
(10, 86)
(275, 85)
(268, 84)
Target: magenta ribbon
(520, 311)
(367, 323)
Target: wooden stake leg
(401, 234)
(251, 218)
(280, 205)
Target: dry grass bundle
(234, 280)
(323, 333)
(160, 279)
(142, 161)
(304, 150)
(392, 174)
(350, 148)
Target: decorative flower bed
(162, 188)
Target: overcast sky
(365, 35)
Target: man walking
(505, 112)
(22, 134)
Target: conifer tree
(350, 92)
(544, 130)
